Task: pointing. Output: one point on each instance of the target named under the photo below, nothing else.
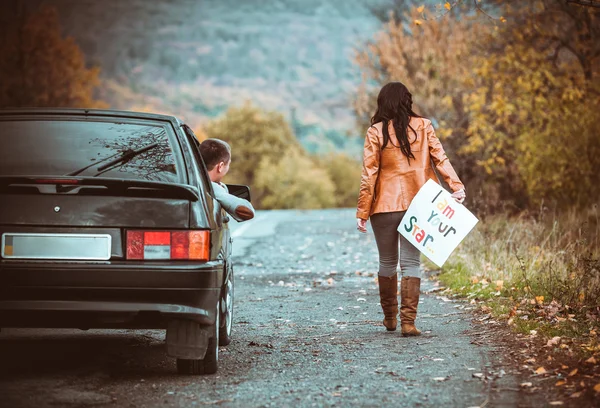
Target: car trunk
(88, 220)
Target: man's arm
(238, 208)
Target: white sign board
(435, 223)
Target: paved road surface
(307, 333)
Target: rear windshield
(64, 147)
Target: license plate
(56, 246)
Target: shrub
(294, 181)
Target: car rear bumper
(107, 295)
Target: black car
(107, 220)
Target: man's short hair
(214, 151)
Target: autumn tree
(514, 97)
(267, 156)
(433, 59)
(254, 134)
(534, 102)
(40, 67)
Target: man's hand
(361, 225)
(459, 196)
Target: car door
(221, 217)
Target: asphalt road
(307, 332)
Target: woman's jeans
(385, 227)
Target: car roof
(109, 113)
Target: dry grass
(537, 271)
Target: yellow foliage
(267, 157)
(200, 134)
(294, 181)
(520, 100)
(345, 173)
(254, 135)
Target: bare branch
(587, 3)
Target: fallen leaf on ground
(576, 394)
(540, 371)
(526, 384)
(597, 387)
(572, 373)
(478, 375)
(560, 383)
(591, 360)
(499, 284)
(557, 403)
(530, 360)
(553, 341)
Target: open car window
(205, 180)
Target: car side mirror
(239, 191)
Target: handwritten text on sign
(435, 223)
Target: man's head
(217, 157)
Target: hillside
(195, 58)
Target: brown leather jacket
(388, 182)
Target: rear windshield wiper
(124, 158)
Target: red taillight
(199, 244)
(135, 245)
(180, 245)
(164, 245)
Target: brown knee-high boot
(388, 296)
(409, 293)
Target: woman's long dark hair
(394, 103)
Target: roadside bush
(345, 173)
(254, 135)
(294, 182)
(267, 156)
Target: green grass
(534, 273)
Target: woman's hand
(361, 225)
(459, 196)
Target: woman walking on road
(399, 148)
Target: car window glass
(59, 147)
